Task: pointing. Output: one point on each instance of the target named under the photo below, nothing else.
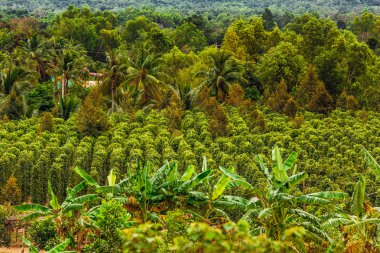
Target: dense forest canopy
(228, 128)
(214, 7)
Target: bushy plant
(108, 220)
(44, 234)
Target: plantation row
(328, 148)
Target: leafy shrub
(43, 233)
(92, 119)
(144, 238)
(108, 220)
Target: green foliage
(43, 234)
(46, 122)
(41, 98)
(92, 118)
(11, 193)
(108, 219)
(164, 94)
(5, 238)
(146, 237)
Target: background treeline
(311, 63)
(214, 7)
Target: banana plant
(158, 190)
(371, 162)
(358, 229)
(149, 189)
(60, 248)
(277, 208)
(71, 204)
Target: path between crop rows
(13, 250)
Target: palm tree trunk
(113, 95)
(63, 85)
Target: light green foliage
(43, 234)
(146, 237)
(171, 135)
(108, 220)
(281, 62)
(320, 142)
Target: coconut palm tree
(185, 93)
(70, 64)
(144, 73)
(36, 54)
(223, 72)
(114, 73)
(13, 77)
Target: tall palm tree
(13, 77)
(36, 53)
(70, 64)
(185, 93)
(114, 73)
(223, 72)
(144, 73)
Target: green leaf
(160, 174)
(263, 166)
(329, 195)
(358, 226)
(60, 247)
(72, 207)
(28, 243)
(33, 216)
(265, 213)
(290, 161)
(297, 178)
(54, 201)
(108, 189)
(220, 186)
(85, 199)
(33, 207)
(371, 162)
(111, 178)
(236, 178)
(188, 173)
(278, 169)
(83, 174)
(232, 202)
(305, 215)
(312, 200)
(335, 222)
(195, 181)
(78, 188)
(204, 165)
(358, 197)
